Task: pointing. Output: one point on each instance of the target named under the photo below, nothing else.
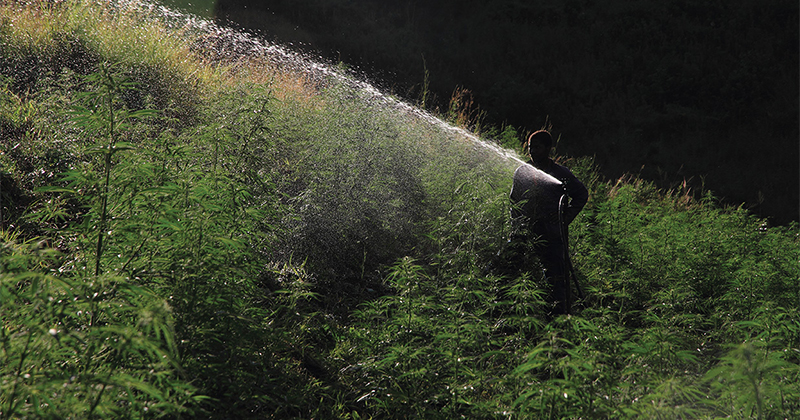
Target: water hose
(569, 270)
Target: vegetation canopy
(190, 229)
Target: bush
(262, 247)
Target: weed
(268, 246)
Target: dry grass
(135, 38)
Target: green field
(187, 232)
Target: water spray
(237, 44)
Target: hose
(568, 269)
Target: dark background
(671, 89)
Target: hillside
(704, 91)
(197, 224)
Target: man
(535, 196)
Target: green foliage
(100, 115)
(80, 346)
(254, 255)
(752, 381)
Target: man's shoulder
(524, 169)
(560, 171)
(527, 175)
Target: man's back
(535, 193)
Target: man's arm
(578, 195)
(575, 189)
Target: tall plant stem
(102, 225)
(99, 397)
(108, 153)
(12, 407)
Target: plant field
(193, 231)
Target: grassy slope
(252, 254)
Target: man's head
(539, 145)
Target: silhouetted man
(535, 197)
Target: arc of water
(245, 44)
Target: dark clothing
(534, 195)
(535, 204)
(538, 190)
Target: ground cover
(196, 233)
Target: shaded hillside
(706, 91)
